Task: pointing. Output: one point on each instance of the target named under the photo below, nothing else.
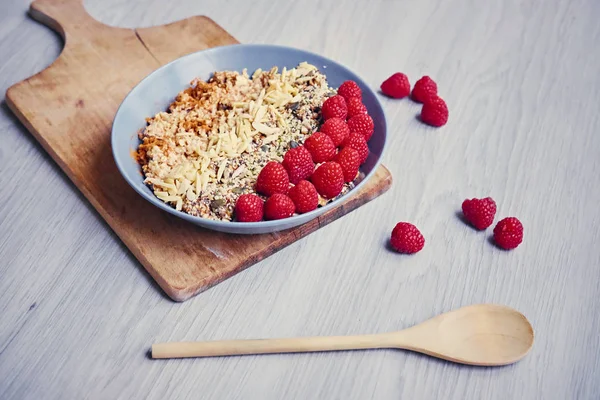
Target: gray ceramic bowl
(158, 90)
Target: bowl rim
(209, 223)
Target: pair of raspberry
(434, 111)
(480, 213)
(251, 208)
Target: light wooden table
(78, 313)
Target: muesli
(208, 148)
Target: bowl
(155, 92)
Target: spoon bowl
(484, 334)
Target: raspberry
(349, 89)
(479, 212)
(396, 86)
(329, 179)
(406, 238)
(349, 160)
(508, 233)
(273, 178)
(424, 89)
(279, 206)
(249, 208)
(305, 197)
(434, 112)
(357, 142)
(320, 146)
(298, 164)
(355, 107)
(334, 106)
(362, 124)
(336, 129)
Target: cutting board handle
(67, 17)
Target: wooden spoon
(483, 334)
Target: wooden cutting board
(69, 108)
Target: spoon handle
(266, 346)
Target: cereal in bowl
(210, 145)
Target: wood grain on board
(69, 108)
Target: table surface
(78, 312)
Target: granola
(207, 149)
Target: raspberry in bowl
(204, 126)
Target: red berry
(249, 208)
(273, 178)
(329, 179)
(298, 164)
(479, 212)
(406, 238)
(357, 142)
(508, 233)
(279, 206)
(320, 146)
(424, 89)
(434, 112)
(396, 86)
(334, 106)
(349, 160)
(349, 89)
(305, 197)
(355, 107)
(336, 129)
(362, 124)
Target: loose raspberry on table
(508, 233)
(396, 86)
(320, 146)
(349, 160)
(434, 112)
(279, 206)
(349, 89)
(328, 179)
(273, 178)
(479, 212)
(305, 197)
(249, 208)
(424, 89)
(356, 107)
(362, 124)
(406, 238)
(336, 129)
(357, 142)
(334, 106)
(298, 163)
